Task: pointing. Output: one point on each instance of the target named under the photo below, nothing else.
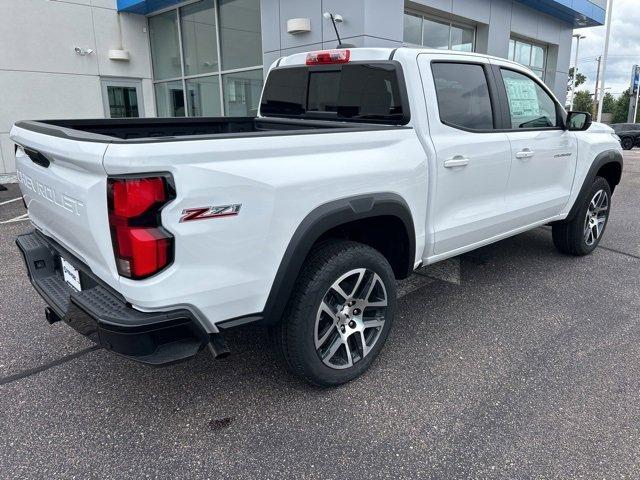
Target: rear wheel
(627, 143)
(582, 234)
(339, 315)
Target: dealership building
(130, 58)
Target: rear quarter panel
(224, 267)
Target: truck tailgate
(65, 188)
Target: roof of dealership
(579, 13)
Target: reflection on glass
(462, 39)
(512, 49)
(435, 35)
(199, 42)
(240, 33)
(242, 93)
(412, 29)
(165, 50)
(170, 99)
(203, 97)
(123, 102)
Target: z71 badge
(203, 213)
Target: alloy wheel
(596, 217)
(350, 318)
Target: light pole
(606, 53)
(578, 37)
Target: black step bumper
(101, 314)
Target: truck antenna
(336, 19)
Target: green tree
(621, 109)
(609, 103)
(583, 101)
(580, 79)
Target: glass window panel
(199, 39)
(165, 50)
(435, 35)
(512, 50)
(242, 93)
(463, 95)
(530, 106)
(169, 99)
(285, 92)
(462, 39)
(240, 33)
(123, 102)
(537, 57)
(412, 29)
(523, 53)
(203, 97)
(366, 92)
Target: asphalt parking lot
(526, 365)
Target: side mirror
(578, 121)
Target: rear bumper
(102, 315)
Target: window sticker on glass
(523, 100)
(530, 106)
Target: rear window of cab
(366, 92)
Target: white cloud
(624, 47)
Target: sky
(624, 47)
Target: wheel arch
(327, 218)
(607, 164)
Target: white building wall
(41, 76)
(380, 23)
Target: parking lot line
(9, 201)
(19, 218)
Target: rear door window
(358, 92)
(463, 96)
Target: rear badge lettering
(204, 213)
(59, 199)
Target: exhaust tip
(218, 346)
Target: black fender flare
(321, 220)
(608, 156)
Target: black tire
(627, 143)
(296, 333)
(571, 237)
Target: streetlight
(578, 37)
(606, 53)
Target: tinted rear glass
(363, 92)
(463, 95)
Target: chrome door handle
(525, 153)
(457, 161)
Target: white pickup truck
(154, 236)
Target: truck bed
(142, 130)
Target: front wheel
(627, 143)
(339, 315)
(581, 235)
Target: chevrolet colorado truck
(153, 237)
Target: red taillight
(328, 57)
(141, 246)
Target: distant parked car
(629, 134)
